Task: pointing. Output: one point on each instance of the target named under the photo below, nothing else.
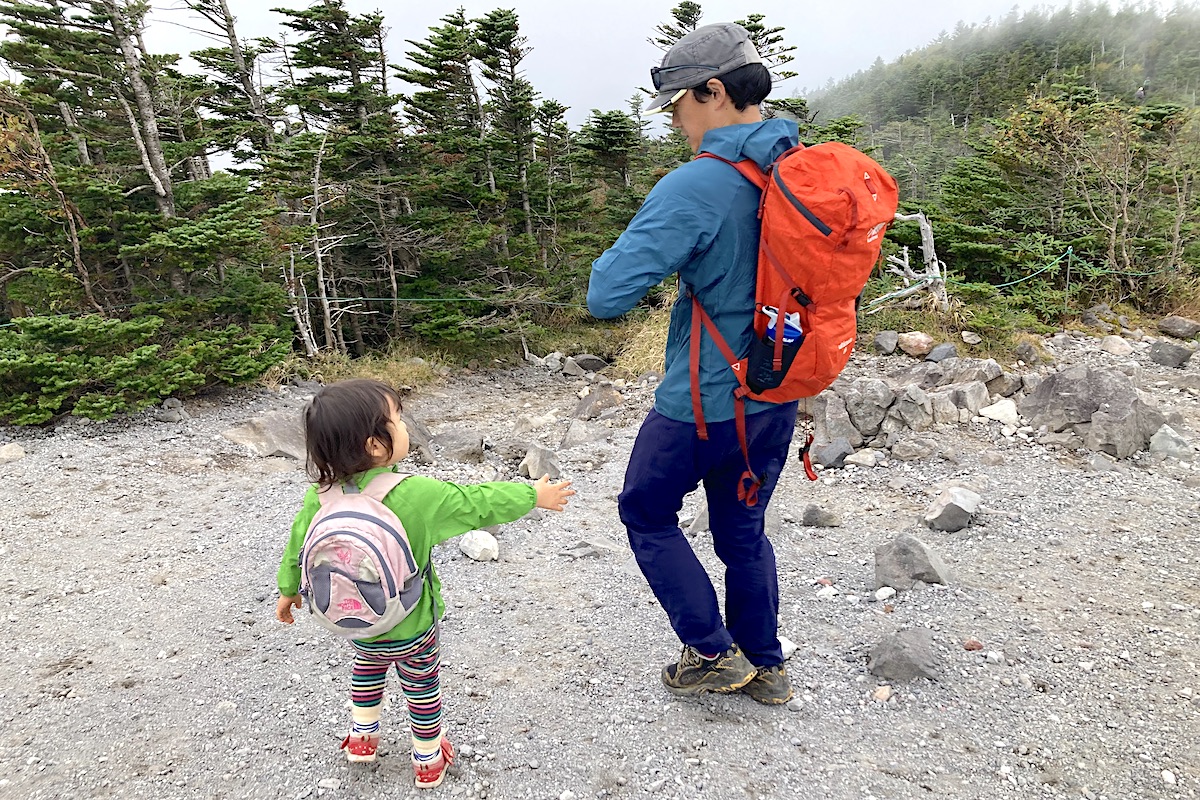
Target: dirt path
(143, 661)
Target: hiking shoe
(429, 774)
(770, 685)
(361, 746)
(694, 674)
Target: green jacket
(432, 511)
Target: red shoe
(361, 746)
(429, 774)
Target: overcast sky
(594, 54)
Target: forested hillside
(1056, 151)
(445, 200)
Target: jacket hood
(763, 142)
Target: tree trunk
(125, 31)
(72, 124)
(258, 108)
(318, 254)
(299, 311)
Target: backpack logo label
(875, 232)
(846, 343)
(350, 604)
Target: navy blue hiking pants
(668, 461)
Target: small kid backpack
(356, 567)
(824, 211)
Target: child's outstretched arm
(283, 608)
(552, 496)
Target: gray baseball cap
(708, 52)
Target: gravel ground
(143, 659)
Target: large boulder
(1170, 354)
(1179, 327)
(905, 656)
(916, 343)
(913, 408)
(967, 370)
(886, 342)
(1102, 406)
(598, 400)
(279, 433)
(831, 420)
(953, 509)
(867, 401)
(832, 455)
(11, 452)
(461, 445)
(905, 560)
(972, 396)
(1123, 427)
(590, 362)
(539, 461)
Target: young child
(354, 431)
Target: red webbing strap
(750, 170)
(694, 369)
(806, 457)
(749, 482)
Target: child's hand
(552, 496)
(283, 608)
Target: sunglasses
(658, 75)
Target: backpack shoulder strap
(383, 483)
(750, 170)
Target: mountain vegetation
(167, 224)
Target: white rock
(864, 458)
(828, 593)
(11, 452)
(972, 338)
(1166, 442)
(1168, 777)
(788, 646)
(1116, 345)
(479, 545)
(1004, 411)
(885, 593)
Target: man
(701, 221)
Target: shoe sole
(431, 784)
(360, 759)
(703, 688)
(770, 701)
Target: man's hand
(283, 608)
(552, 496)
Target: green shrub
(96, 367)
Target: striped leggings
(417, 661)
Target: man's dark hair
(748, 85)
(339, 421)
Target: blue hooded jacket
(701, 221)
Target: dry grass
(398, 367)
(644, 348)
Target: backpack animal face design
(357, 567)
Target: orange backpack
(824, 211)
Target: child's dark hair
(339, 421)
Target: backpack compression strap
(749, 482)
